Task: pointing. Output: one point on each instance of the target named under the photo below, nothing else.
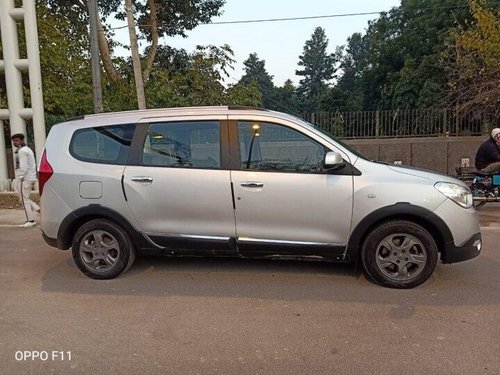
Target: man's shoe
(27, 224)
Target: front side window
(193, 144)
(103, 144)
(272, 147)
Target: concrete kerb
(11, 218)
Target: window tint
(103, 144)
(271, 147)
(183, 144)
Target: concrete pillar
(13, 79)
(12, 74)
(35, 76)
(4, 172)
(3, 161)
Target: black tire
(399, 254)
(102, 250)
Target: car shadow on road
(268, 279)
(156, 275)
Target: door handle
(143, 179)
(251, 184)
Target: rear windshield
(103, 144)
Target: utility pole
(94, 51)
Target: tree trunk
(154, 40)
(105, 53)
(136, 61)
(107, 62)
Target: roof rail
(81, 117)
(244, 107)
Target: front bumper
(468, 250)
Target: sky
(278, 43)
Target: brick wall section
(441, 154)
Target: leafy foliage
(422, 53)
(255, 71)
(397, 60)
(318, 68)
(65, 64)
(472, 62)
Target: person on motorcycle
(488, 154)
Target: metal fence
(402, 123)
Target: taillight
(44, 173)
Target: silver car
(243, 182)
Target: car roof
(136, 116)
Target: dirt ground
(11, 200)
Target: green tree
(255, 71)
(178, 77)
(400, 54)
(318, 68)
(65, 64)
(153, 18)
(337, 99)
(171, 60)
(347, 95)
(353, 63)
(472, 62)
(286, 98)
(247, 95)
(199, 81)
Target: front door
(286, 204)
(180, 192)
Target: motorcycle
(485, 187)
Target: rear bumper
(470, 249)
(49, 240)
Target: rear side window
(190, 144)
(103, 144)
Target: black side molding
(71, 223)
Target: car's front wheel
(399, 254)
(102, 250)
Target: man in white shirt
(26, 174)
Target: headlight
(458, 194)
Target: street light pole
(94, 51)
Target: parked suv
(243, 182)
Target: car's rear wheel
(102, 250)
(399, 254)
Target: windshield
(346, 146)
(337, 140)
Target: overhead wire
(286, 19)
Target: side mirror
(333, 160)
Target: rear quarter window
(103, 144)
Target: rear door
(285, 202)
(179, 189)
